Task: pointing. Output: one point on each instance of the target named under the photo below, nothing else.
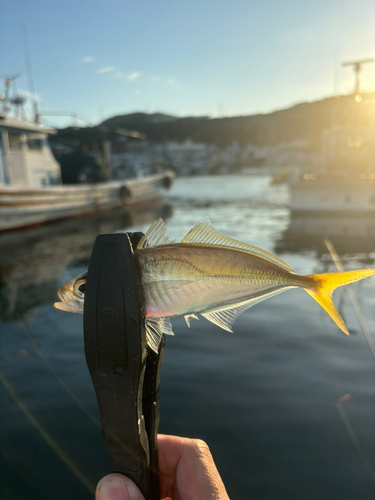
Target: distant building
(188, 158)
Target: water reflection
(32, 262)
(263, 397)
(350, 234)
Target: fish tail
(323, 286)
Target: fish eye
(80, 287)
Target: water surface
(264, 397)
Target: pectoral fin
(164, 286)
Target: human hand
(186, 472)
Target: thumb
(117, 487)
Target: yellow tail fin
(325, 284)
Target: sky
(196, 57)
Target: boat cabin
(26, 159)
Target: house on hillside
(189, 158)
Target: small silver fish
(212, 275)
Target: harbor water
(266, 398)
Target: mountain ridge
(306, 120)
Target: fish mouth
(63, 306)
(69, 306)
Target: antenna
(30, 75)
(357, 66)
(17, 100)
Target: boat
(31, 189)
(345, 180)
(321, 192)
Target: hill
(303, 121)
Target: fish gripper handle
(125, 373)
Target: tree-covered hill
(303, 121)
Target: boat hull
(24, 207)
(331, 195)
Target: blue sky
(223, 57)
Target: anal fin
(226, 316)
(187, 318)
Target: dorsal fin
(204, 233)
(155, 236)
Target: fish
(211, 275)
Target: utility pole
(357, 66)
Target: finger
(117, 487)
(170, 450)
(187, 470)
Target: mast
(30, 76)
(357, 66)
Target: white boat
(345, 182)
(25, 206)
(31, 192)
(314, 192)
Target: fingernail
(114, 489)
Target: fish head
(72, 295)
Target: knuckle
(200, 447)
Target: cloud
(158, 78)
(133, 75)
(106, 69)
(137, 91)
(88, 59)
